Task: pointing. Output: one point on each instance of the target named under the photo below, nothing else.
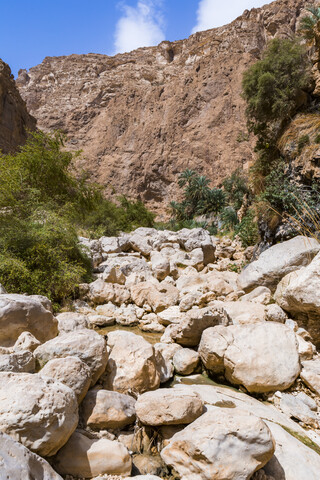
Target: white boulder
(85, 344)
(40, 413)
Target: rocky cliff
(14, 118)
(142, 117)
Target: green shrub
(247, 230)
(302, 142)
(236, 188)
(317, 138)
(271, 86)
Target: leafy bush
(271, 86)
(247, 230)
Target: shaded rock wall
(14, 118)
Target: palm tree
(186, 177)
(310, 27)
(198, 189)
(214, 201)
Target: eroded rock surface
(142, 116)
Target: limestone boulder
(160, 265)
(40, 413)
(274, 313)
(104, 409)
(22, 313)
(261, 357)
(292, 459)
(167, 406)
(223, 444)
(19, 463)
(86, 457)
(258, 295)
(96, 320)
(171, 315)
(306, 349)
(26, 341)
(132, 364)
(128, 315)
(22, 361)
(85, 344)
(113, 274)
(276, 262)
(141, 243)
(101, 293)
(92, 249)
(310, 374)
(186, 361)
(298, 294)
(197, 238)
(110, 244)
(164, 359)
(243, 312)
(71, 371)
(299, 407)
(188, 332)
(201, 283)
(157, 296)
(71, 321)
(127, 263)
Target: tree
(310, 26)
(272, 86)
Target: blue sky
(33, 29)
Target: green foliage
(272, 85)
(198, 197)
(317, 138)
(42, 207)
(229, 218)
(302, 142)
(279, 192)
(108, 219)
(308, 24)
(247, 230)
(236, 187)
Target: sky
(33, 29)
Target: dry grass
(303, 124)
(306, 221)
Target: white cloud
(214, 13)
(140, 26)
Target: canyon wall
(142, 117)
(14, 118)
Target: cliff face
(14, 118)
(142, 117)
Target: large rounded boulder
(85, 344)
(132, 365)
(40, 413)
(18, 463)
(23, 313)
(262, 357)
(223, 444)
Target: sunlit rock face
(142, 117)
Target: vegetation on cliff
(275, 88)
